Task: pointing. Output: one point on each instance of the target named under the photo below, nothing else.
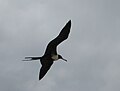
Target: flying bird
(50, 54)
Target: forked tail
(31, 58)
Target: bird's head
(60, 57)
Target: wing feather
(63, 35)
(44, 69)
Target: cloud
(92, 49)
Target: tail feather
(31, 58)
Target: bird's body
(50, 54)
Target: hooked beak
(64, 59)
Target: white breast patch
(54, 57)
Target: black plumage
(50, 54)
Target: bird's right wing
(63, 35)
(44, 69)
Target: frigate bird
(50, 54)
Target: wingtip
(69, 21)
(40, 78)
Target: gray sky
(92, 49)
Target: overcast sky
(92, 49)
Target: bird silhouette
(50, 54)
